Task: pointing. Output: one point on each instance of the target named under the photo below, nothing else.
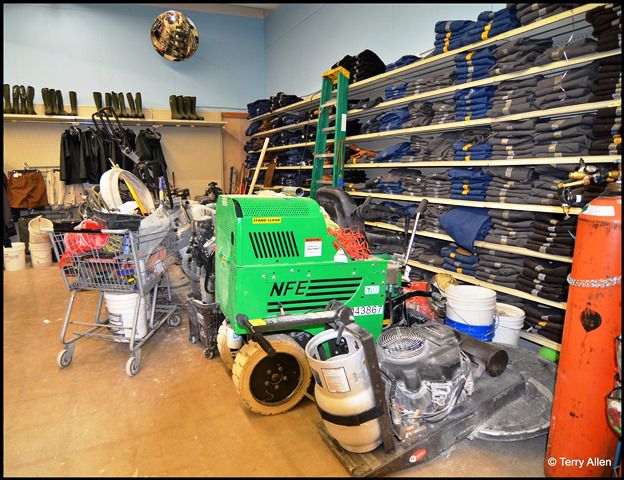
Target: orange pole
(581, 442)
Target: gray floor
(180, 416)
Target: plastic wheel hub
(275, 379)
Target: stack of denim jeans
(393, 153)
(290, 137)
(489, 24)
(412, 180)
(429, 83)
(291, 179)
(282, 99)
(571, 88)
(430, 220)
(563, 137)
(504, 189)
(576, 48)
(607, 131)
(427, 250)
(518, 54)
(509, 227)
(473, 103)
(459, 260)
(396, 91)
(289, 118)
(441, 147)
(514, 96)
(443, 111)
(450, 35)
(259, 107)
(513, 139)
(500, 268)
(418, 145)
(544, 320)
(253, 128)
(420, 114)
(401, 62)
(372, 124)
(545, 279)
(474, 65)
(473, 144)
(608, 82)
(393, 120)
(465, 225)
(607, 23)
(553, 235)
(294, 157)
(531, 12)
(438, 185)
(468, 183)
(364, 65)
(251, 160)
(253, 144)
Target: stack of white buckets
(473, 310)
(38, 244)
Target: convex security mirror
(174, 36)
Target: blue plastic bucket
(484, 333)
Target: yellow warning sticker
(257, 322)
(266, 220)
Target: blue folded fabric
(395, 151)
(500, 14)
(401, 62)
(465, 225)
(473, 155)
(471, 197)
(451, 252)
(463, 146)
(475, 55)
(462, 270)
(452, 25)
(468, 173)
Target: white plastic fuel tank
(343, 388)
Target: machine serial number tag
(369, 310)
(265, 220)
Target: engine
(425, 375)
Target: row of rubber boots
(183, 108)
(117, 103)
(54, 105)
(23, 98)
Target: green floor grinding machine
(281, 279)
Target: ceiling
(257, 10)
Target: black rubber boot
(16, 99)
(97, 98)
(173, 105)
(116, 104)
(180, 103)
(186, 103)
(109, 100)
(30, 101)
(131, 106)
(139, 106)
(73, 102)
(60, 104)
(6, 93)
(54, 108)
(193, 109)
(45, 93)
(22, 95)
(122, 105)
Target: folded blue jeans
(465, 225)
(453, 254)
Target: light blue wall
(89, 47)
(304, 40)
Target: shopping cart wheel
(174, 320)
(64, 358)
(209, 353)
(133, 365)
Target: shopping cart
(116, 262)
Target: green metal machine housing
(275, 256)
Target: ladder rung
(331, 103)
(329, 129)
(324, 155)
(324, 182)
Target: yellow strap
(486, 31)
(617, 140)
(469, 56)
(542, 324)
(466, 147)
(467, 158)
(459, 270)
(452, 255)
(466, 192)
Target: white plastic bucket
(35, 235)
(121, 307)
(510, 321)
(40, 254)
(343, 388)
(15, 257)
(471, 305)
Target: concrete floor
(180, 416)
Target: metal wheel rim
(288, 379)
